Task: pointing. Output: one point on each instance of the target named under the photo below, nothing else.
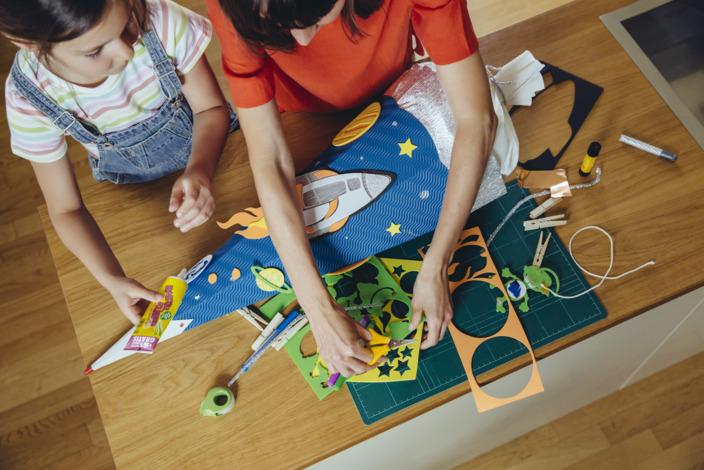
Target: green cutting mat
(548, 319)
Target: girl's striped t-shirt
(119, 102)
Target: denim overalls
(148, 150)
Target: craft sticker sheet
(366, 284)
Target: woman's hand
(192, 199)
(431, 296)
(132, 297)
(338, 338)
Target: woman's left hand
(192, 200)
(431, 296)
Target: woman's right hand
(338, 338)
(132, 297)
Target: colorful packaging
(157, 316)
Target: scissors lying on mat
(380, 345)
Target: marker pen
(647, 148)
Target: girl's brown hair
(46, 22)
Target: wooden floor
(48, 415)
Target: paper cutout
(585, 96)
(270, 279)
(394, 229)
(480, 268)
(361, 124)
(556, 180)
(407, 148)
(519, 80)
(534, 278)
(367, 284)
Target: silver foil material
(419, 92)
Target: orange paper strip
(467, 345)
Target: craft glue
(590, 158)
(157, 316)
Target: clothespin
(252, 317)
(541, 209)
(545, 222)
(540, 250)
(294, 328)
(276, 321)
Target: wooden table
(149, 405)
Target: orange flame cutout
(252, 222)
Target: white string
(661, 343)
(606, 274)
(533, 196)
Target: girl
(337, 54)
(129, 81)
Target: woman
(329, 55)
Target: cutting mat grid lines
(548, 318)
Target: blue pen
(261, 349)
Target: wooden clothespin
(545, 222)
(253, 317)
(541, 209)
(289, 333)
(276, 321)
(540, 250)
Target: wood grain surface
(650, 206)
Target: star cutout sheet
(365, 284)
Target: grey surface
(665, 39)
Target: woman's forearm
(467, 90)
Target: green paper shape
(367, 284)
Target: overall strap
(163, 66)
(63, 120)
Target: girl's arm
(467, 90)
(192, 195)
(336, 333)
(79, 232)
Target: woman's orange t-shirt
(333, 72)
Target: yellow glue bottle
(590, 158)
(157, 316)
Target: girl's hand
(132, 297)
(337, 336)
(431, 295)
(192, 199)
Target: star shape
(402, 367)
(407, 148)
(407, 352)
(394, 229)
(392, 355)
(385, 370)
(398, 270)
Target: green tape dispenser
(218, 401)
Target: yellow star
(407, 148)
(394, 229)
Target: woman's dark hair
(46, 22)
(266, 24)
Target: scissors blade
(395, 343)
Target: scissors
(380, 345)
